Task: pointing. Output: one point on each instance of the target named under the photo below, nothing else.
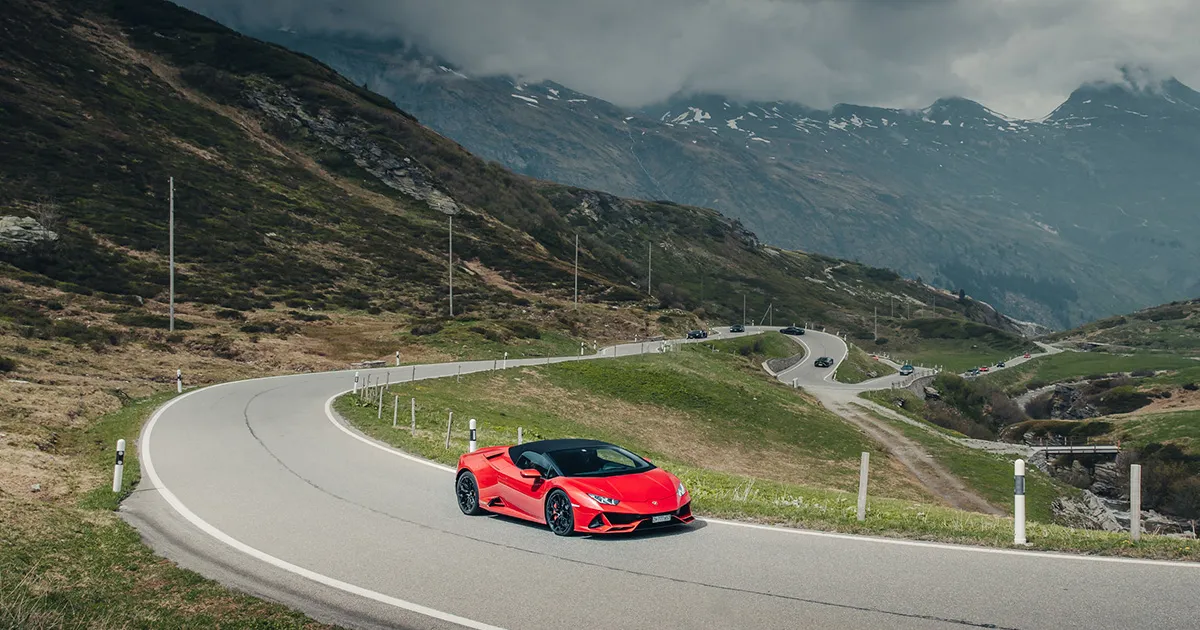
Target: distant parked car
(1000, 364)
(697, 334)
(1027, 355)
(823, 362)
(792, 330)
(906, 369)
(736, 328)
(983, 368)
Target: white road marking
(204, 526)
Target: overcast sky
(1019, 57)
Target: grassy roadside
(72, 563)
(503, 401)
(859, 367)
(692, 407)
(1071, 365)
(956, 355)
(988, 474)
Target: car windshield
(597, 461)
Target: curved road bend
(253, 484)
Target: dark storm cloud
(1021, 57)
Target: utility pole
(577, 271)
(876, 323)
(743, 309)
(171, 248)
(892, 305)
(451, 265)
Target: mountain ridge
(973, 199)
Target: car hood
(653, 485)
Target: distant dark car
(697, 334)
(737, 328)
(1000, 364)
(792, 330)
(823, 362)
(906, 369)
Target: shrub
(230, 314)
(882, 341)
(426, 328)
(1142, 373)
(1191, 387)
(309, 317)
(523, 330)
(150, 320)
(1039, 407)
(7, 364)
(1184, 498)
(1035, 384)
(1123, 399)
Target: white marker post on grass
(862, 485)
(505, 361)
(395, 411)
(356, 382)
(1135, 502)
(412, 406)
(1019, 503)
(471, 441)
(379, 412)
(119, 468)
(449, 424)
(178, 381)
(520, 436)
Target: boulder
(1085, 512)
(21, 233)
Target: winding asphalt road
(257, 484)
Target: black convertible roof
(546, 446)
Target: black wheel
(467, 491)
(559, 515)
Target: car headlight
(604, 500)
(680, 490)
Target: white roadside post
(379, 412)
(471, 442)
(356, 382)
(519, 436)
(505, 361)
(795, 383)
(862, 486)
(580, 348)
(449, 424)
(412, 406)
(1019, 503)
(178, 381)
(395, 411)
(1135, 502)
(119, 468)
(397, 358)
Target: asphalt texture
(253, 483)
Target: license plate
(662, 518)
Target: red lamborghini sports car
(574, 486)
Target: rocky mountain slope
(296, 188)
(1086, 213)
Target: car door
(523, 494)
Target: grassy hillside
(1173, 327)
(747, 447)
(697, 407)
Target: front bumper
(613, 522)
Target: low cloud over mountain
(1020, 57)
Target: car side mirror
(530, 473)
